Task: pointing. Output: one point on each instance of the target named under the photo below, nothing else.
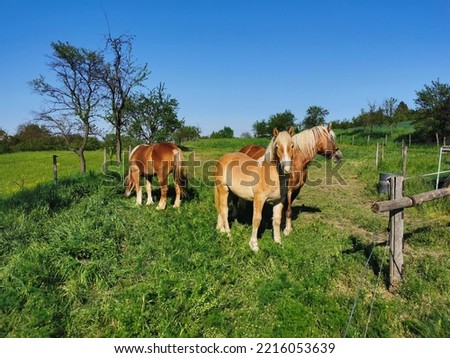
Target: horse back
(253, 151)
(152, 158)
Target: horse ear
(291, 131)
(329, 126)
(275, 132)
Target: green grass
(80, 260)
(27, 169)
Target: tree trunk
(118, 146)
(82, 161)
(83, 145)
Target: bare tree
(121, 76)
(389, 108)
(72, 103)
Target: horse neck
(306, 144)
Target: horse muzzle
(286, 167)
(337, 156)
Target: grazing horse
(308, 143)
(257, 181)
(160, 159)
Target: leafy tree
(226, 132)
(389, 109)
(260, 128)
(372, 117)
(120, 76)
(72, 103)
(186, 133)
(433, 103)
(5, 146)
(153, 118)
(33, 137)
(402, 112)
(281, 121)
(315, 115)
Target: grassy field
(80, 260)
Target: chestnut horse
(258, 181)
(160, 159)
(254, 151)
(308, 143)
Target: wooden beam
(409, 201)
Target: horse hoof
(286, 232)
(254, 247)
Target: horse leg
(162, 179)
(177, 195)
(221, 193)
(258, 204)
(276, 222)
(291, 196)
(135, 177)
(148, 186)
(288, 227)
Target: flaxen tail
(179, 173)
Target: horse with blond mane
(307, 144)
(159, 159)
(258, 181)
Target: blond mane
(306, 140)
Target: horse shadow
(245, 216)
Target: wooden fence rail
(395, 206)
(409, 201)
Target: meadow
(80, 260)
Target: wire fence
(374, 291)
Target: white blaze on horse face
(286, 159)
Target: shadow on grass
(53, 197)
(376, 264)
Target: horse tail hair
(179, 173)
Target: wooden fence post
(404, 159)
(55, 169)
(396, 235)
(376, 157)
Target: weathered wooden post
(395, 206)
(396, 234)
(404, 159)
(55, 169)
(409, 140)
(382, 153)
(376, 156)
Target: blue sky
(232, 62)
